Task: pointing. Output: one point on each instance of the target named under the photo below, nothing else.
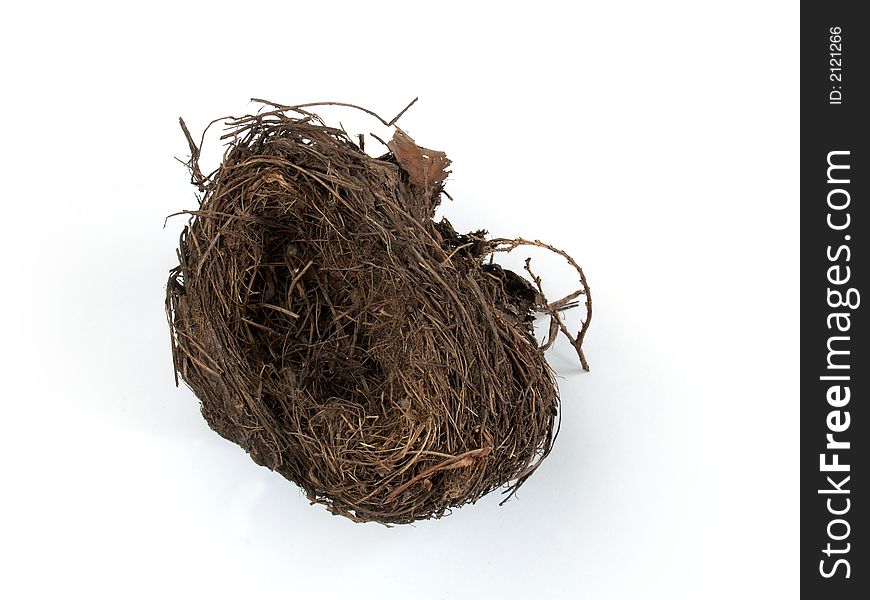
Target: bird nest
(344, 338)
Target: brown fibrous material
(344, 338)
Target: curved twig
(553, 308)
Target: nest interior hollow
(344, 338)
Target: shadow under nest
(344, 338)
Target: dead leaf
(426, 168)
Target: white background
(656, 142)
